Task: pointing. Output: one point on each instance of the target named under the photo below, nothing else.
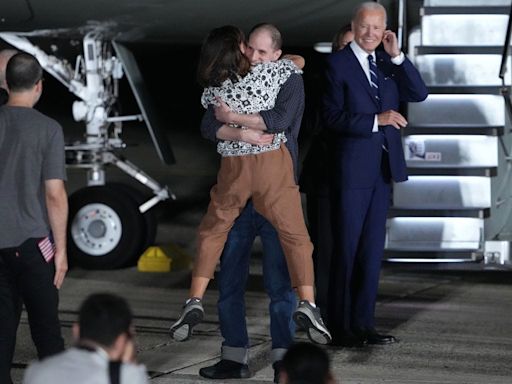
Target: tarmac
(454, 326)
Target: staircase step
(443, 192)
(479, 213)
(459, 50)
(440, 258)
(453, 129)
(457, 9)
(434, 233)
(455, 110)
(451, 151)
(481, 172)
(414, 41)
(466, 3)
(463, 29)
(470, 89)
(451, 70)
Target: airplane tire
(105, 229)
(150, 220)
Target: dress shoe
(277, 369)
(349, 341)
(372, 337)
(226, 369)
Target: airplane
(110, 224)
(302, 23)
(439, 223)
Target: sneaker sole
(316, 335)
(183, 330)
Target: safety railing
(506, 48)
(505, 90)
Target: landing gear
(149, 217)
(106, 229)
(110, 225)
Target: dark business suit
(361, 180)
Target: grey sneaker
(191, 315)
(309, 319)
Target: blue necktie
(374, 82)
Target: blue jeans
(232, 279)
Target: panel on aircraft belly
(143, 98)
(13, 12)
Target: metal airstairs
(457, 204)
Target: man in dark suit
(364, 90)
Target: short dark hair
(275, 34)
(306, 363)
(221, 57)
(103, 317)
(23, 72)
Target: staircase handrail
(506, 48)
(401, 31)
(505, 90)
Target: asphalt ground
(453, 327)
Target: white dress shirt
(362, 57)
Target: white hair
(369, 6)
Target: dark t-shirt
(31, 151)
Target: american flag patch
(47, 248)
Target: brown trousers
(268, 179)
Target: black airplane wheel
(149, 217)
(105, 229)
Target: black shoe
(226, 369)
(349, 341)
(277, 369)
(372, 337)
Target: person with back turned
(34, 209)
(306, 363)
(104, 352)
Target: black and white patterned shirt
(256, 92)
